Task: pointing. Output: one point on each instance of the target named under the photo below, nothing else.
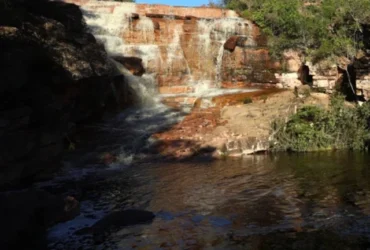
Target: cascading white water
(175, 51)
(146, 26)
(149, 53)
(219, 65)
(167, 59)
(103, 21)
(136, 124)
(107, 26)
(204, 37)
(219, 30)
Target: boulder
(119, 219)
(231, 43)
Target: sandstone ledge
(233, 130)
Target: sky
(176, 2)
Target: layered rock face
(182, 47)
(352, 78)
(54, 76)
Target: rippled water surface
(305, 201)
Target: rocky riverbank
(55, 77)
(241, 127)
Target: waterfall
(175, 51)
(107, 26)
(142, 86)
(180, 56)
(219, 65)
(212, 34)
(149, 53)
(146, 26)
(128, 134)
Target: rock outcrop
(54, 77)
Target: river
(279, 201)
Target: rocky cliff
(54, 77)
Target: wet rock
(119, 219)
(231, 43)
(249, 65)
(156, 25)
(26, 215)
(71, 208)
(133, 64)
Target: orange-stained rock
(231, 43)
(175, 89)
(248, 65)
(179, 102)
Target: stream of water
(303, 201)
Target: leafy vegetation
(313, 128)
(320, 29)
(247, 100)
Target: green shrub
(313, 128)
(326, 28)
(247, 100)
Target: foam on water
(110, 21)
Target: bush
(320, 29)
(313, 128)
(247, 100)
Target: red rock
(71, 208)
(231, 43)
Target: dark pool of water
(303, 201)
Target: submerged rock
(119, 219)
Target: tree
(319, 29)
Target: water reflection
(305, 201)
